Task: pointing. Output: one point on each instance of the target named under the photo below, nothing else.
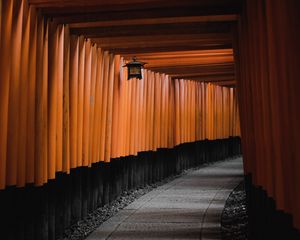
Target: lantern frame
(134, 68)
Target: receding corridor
(135, 119)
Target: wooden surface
(66, 103)
(191, 40)
(268, 54)
(158, 28)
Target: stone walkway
(188, 207)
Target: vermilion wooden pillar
(268, 53)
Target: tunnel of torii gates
(75, 133)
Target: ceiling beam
(152, 21)
(69, 3)
(80, 7)
(127, 52)
(188, 39)
(154, 29)
(106, 17)
(208, 78)
(230, 84)
(158, 40)
(228, 67)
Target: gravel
(234, 217)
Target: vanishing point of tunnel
(149, 119)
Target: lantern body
(134, 72)
(135, 69)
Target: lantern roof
(135, 62)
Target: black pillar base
(43, 213)
(265, 221)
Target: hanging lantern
(135, 68)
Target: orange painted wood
(198, 119)
(181, 110)
(162, 119)
(139, 126)
(144, 109)
(60, 83)
(53, 99)
(14, 95)
(189, 108)
(172, 110)
(31, 95)
(147, 106)
(104, 104)
(86, 104)
(66, 102)
(109, 111)
(81, 69)
(99, 99)
(157, 111)
(193, 112)
(92, 132)
(137, 115)
(151, 108)
(268, 79)
(132, 116)
(185, 110)
(163, 112)
(6, 26)
(280, 107)
(0, 21)
(41, 120)
(23, 100)
(74, 66)
(44, 98)
(143, 117)
(177, 113)
(167, 110)
(127, 136)
(204, 107)
(121, 125)
(115, 139)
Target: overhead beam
(152, 21)
(216, 76)
(63, 7)
(154, 29)
(230, 84)
(158, 40)
(172, 36)
(140, 50)
(189, 61)
(228, 67)
(208, 79)
(199, 73)
(188, 54)
(104, 16)
(143, 45)
(82, 3)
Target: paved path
(188, 207)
